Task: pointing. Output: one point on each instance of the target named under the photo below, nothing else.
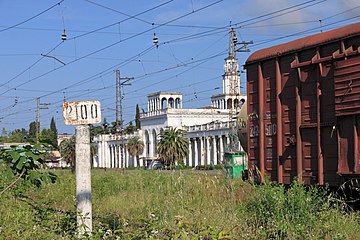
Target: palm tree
(67, 151)
(173, 145)
(135, 147)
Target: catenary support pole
(83, 180)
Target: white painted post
(208, 151)
(83, 180)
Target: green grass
(141, 204)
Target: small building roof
(306, 42)
(163, 93)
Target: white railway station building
(209, 129)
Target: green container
(235, 163)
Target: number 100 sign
(85, 112)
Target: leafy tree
(18, 135)
(137, 117)
(95, 130)
(48, 136)
(4, 132)
(135, 147)
(112, 127)
(67, 151)
(99, 129)
(130, 129)
(3, 139)
(32, 132)
(93, 152)
(105, 126)
(54, 134)
(53, 126)
(24, 163)
(173, 145)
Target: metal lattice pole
(119, 118)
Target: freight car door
(347, 110)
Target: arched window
(236, 103)
(229, 103)
(171, 103)
(155, 142)
(147, 143)
(177, 103)
(163, 103)
(242, 102)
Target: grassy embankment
(164, 205)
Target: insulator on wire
(63, 36)
(155, 40)
(235, 40)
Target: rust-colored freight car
(303, 101)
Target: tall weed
(143, 204)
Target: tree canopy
(173, 146)
(135, 146)
(137, 117)
(67, 151)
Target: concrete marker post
(83, 113)
(83, 180)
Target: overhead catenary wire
(302, 33)
(31, 18)
(111, 45)
(163, 24)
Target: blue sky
(103, 36)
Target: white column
(189, 163)
(115, 157)
(113, 154)
(102, 152)
(215, 151)
(110, 154)
(104, 161)
(107, 153)
(99, 151)
(151, 145)
(126, 156)
(208, 152)
(227, 140)
(202, 149)
(221, 148)
(196, 156)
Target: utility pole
(37, 120)
(234, 84)
(120, 82)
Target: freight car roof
(306, 42)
